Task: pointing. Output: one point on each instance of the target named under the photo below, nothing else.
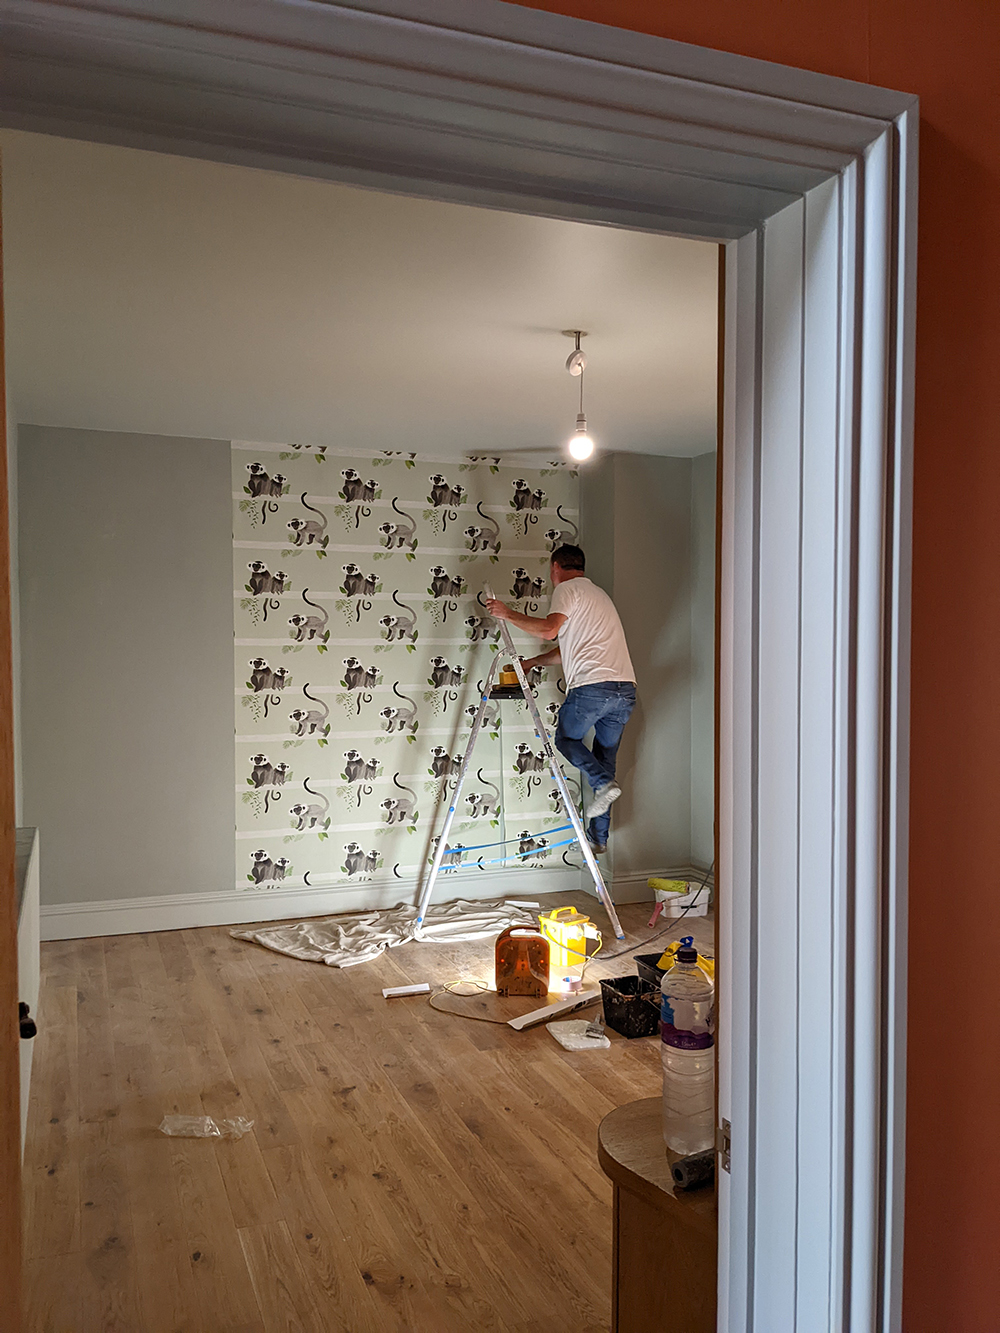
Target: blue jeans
(606, 707)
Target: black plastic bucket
(626, 1008)
(646, 966)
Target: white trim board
(633, 886)
(811, 184)
(189, 911)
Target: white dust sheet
(358, 937)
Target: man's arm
(543, 627)
(543, 659)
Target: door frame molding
(810, 183)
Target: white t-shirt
(591, 639)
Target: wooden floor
(408, 1170)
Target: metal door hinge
(724, 1145)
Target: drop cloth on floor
(358, 937)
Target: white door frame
(811, 183)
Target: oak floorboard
(409, 1171)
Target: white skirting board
(633, 886)
(237, 907)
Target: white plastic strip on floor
(358, 937)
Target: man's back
(591, 640)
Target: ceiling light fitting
(580, 445)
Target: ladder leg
(561, 784)
(439, 850)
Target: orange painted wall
(948, 52)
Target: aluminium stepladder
(554, 767)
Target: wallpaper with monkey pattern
(361, 641)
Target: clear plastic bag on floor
(204, 1127)
(572, 1035)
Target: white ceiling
(180, 297)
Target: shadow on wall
(642, 519)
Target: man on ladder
(600, 680)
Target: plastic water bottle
(687, 1052)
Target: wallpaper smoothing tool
(557, 775)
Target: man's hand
(497, 609)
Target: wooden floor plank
(286, 1298)
(408, 1171)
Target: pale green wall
(648, 528)
(125, 552)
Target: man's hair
(569, 557)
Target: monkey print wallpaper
(361, 640)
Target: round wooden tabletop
(632, 1153)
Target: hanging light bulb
(579, 445)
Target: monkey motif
(307, 723)
(440, 581)
(308, 816)
(279, 868)
(456, 496)
(276, 484)
(278, 580)
(440, 491)
(260, 578)
(305, 531)
(261, 675)
(357, 769)
(480, 628)
(354, 673)
(309, 627)
(521, 585)
(529, 846)
(534, 676)
(491, 716)
(455, 677)
(359, 677)
(370, 586)
(353, 486)
(522, 494)
(258, 481)
(537, 500)
(280, 677)
(398, 535)
(526, 762)
(444, 765)
(484, 538)
(368, 492)
(262, 867)
(398, 628)
(553, 712)
(398, 719)
(371, 862)
(401, 809)
(261, 770)
(456, 587)
(484, 804)
(280, 774)
(440, 673)
(354, 580)
(537, 590)
(354, 858)
(452, 857)
(562, 536)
